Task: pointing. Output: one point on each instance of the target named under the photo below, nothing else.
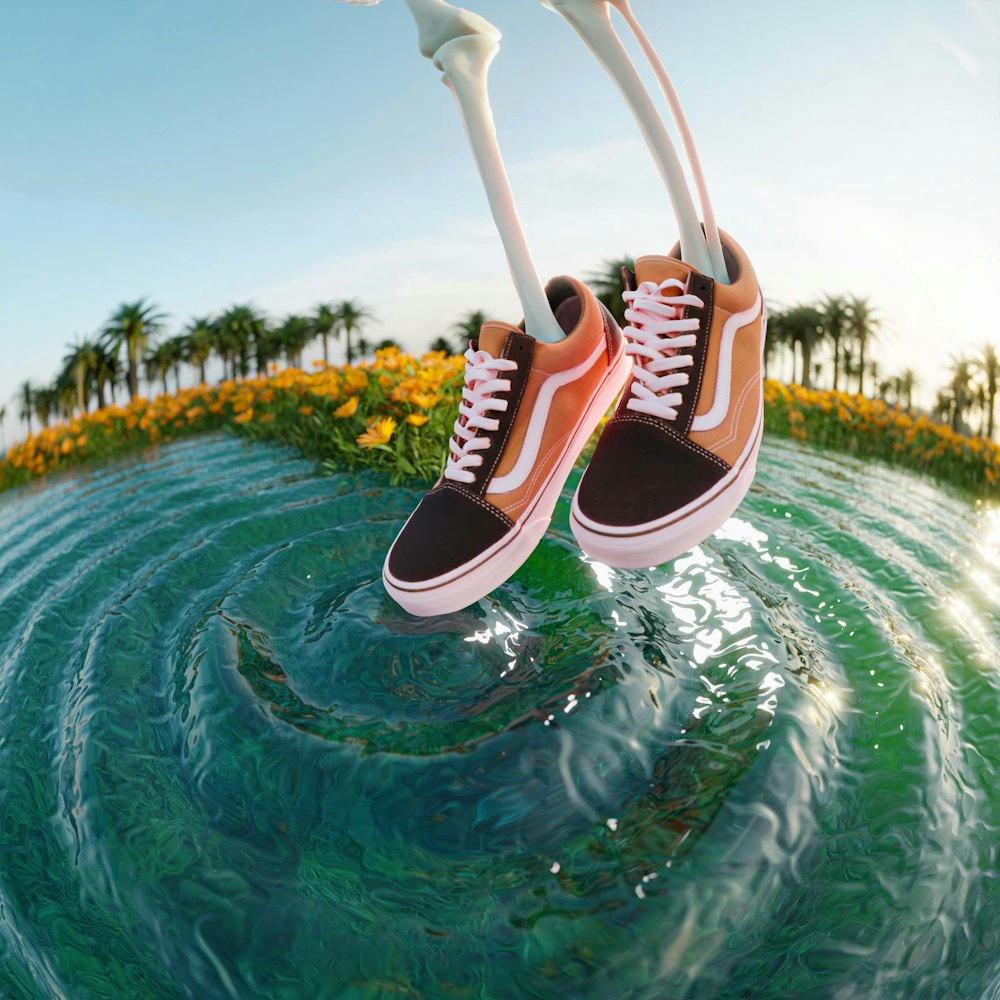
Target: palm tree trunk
(806, 365)
(79, 389)
(836, 363)
(326, 353)
(990, 403)
(133, 369)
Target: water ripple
(230, 766)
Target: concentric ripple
(230, 766)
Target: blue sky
(205, 152)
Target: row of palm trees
(132, 347)
(830, 341)
(827, 342)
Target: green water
(230, 766)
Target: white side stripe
(724, 376)
(536, 428)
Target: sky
(209, 152)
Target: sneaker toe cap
(448, 530)
(640, 472)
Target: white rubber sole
(490, 569)
(657, 542)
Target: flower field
(396, 413)
(859, 426)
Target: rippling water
(230, 766)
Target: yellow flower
(67, 446)
(417, 419)
(348, 409)
(379, 431)
(245, 417)
(426, 401)
(306, 411)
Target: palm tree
(199, 340)
(59, 399)
(835, 320)
(943, 404)
(873, 370)
(978, 401)
(988, 365)
(267, 347)
(239, 329)
(900, 387)
(106, 373)
(3, 438)
(325, 322)
(80, 364)
(466, 330)
(908, 381)
(293, 335)
(804, 327)
(352, 315)
(158, 364)
(133, 325)
(609, 285)
(442, 344)
(863, 326)
(47, 401)
(387, 344)
(778, 337)
(26, 402)
(960, 387)
(174, 353)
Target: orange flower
(417, 419)
(245, 417)
(379, 432)
(306, 411)
(347, 410)
(425, 400)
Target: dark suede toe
(449, 528)
(640, 473)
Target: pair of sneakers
(671, 465)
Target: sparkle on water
(230, 766)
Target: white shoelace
(481, 382)
(655, 334)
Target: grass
(396, 413)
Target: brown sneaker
(681, 450)
(527, 411)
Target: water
(231, 767)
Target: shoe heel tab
(612, 332)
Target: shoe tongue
(493, 337)
(659, 269)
